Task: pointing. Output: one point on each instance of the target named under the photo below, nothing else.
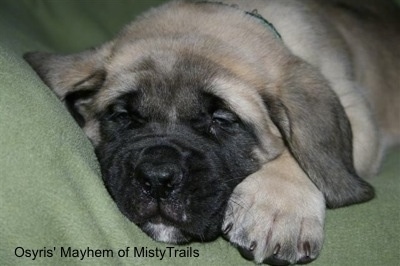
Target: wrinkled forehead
(178, 85)
(164, 85)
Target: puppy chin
(164, 233)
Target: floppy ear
(315, 127)
(75, 78)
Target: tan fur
(280, 203)
(357, 92)
(323, 48)
(376, 57)
(365, 94)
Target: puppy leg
(276, 215)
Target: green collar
(253, 13)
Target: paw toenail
(304, 260)
(307, 254)
(307, 249)
(227, 229)
(277, 249)
(253, 245)
(246, 253)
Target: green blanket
(54, 209)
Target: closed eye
(118, 114)
(224, 122)
(124, 117)
(224, 117)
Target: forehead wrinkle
(176, 91)
(171, 79)
(172, 106)
(123, 75)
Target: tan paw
(276, 215)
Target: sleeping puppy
(246, 118)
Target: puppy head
(170, 146)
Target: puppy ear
(317, 131)
(75, 78)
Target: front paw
(276, 219)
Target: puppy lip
(159, 218)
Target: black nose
(160, 179)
